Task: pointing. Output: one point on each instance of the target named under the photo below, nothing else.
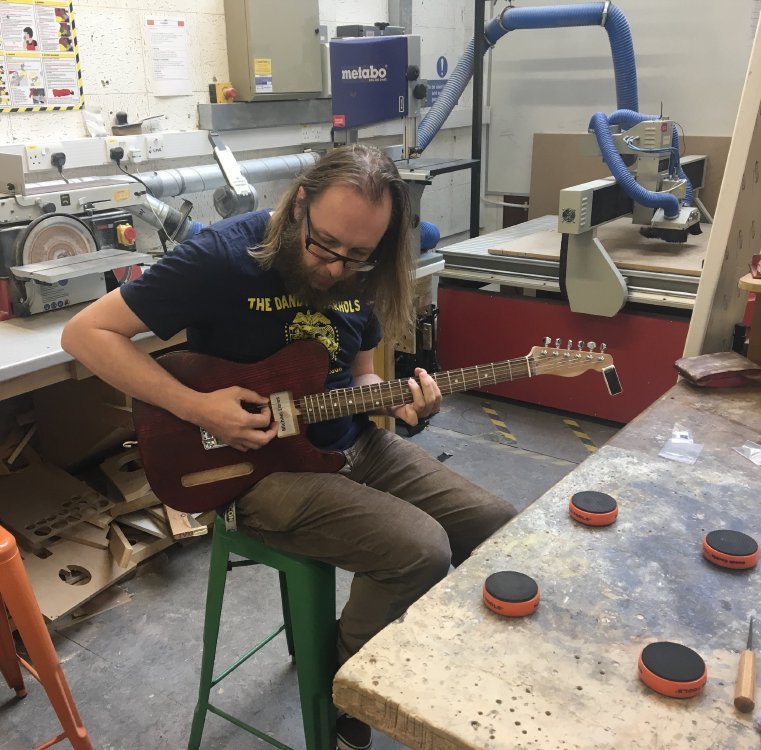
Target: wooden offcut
(41, 501)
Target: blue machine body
(368, 80)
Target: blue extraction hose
(554, 16)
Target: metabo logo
(369, 73)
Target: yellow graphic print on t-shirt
(314, 326)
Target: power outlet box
(154, 146)
(114, 142)
(37, 157)
(135, 149)
(315, 134)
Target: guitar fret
(324, 405)
(493, 374)
(403, 392)
(377, 397)
(348, 401)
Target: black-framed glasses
(324, 255)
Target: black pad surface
(594, 502)
(673, 661)
(511, 586)
(733, 543)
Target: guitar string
(381, 394)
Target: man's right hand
(227, 414)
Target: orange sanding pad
(511, 593)
(593, 508)
(672, 669)
(730, 549)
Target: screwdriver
(745, 687)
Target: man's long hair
(389, 286)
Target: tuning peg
(603, 347)
(591, 346)
(569, 346)
(580, 344)
(557, 343)
(546, 341)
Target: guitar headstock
(570, 361)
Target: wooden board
(736, 231)
(56, 597)
(41, 501)
(125, 471)
(625, 245)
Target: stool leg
(23, 607)
(287, 615)
(9, 665)
(312, 604)
(214, 598)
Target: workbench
(451, 674)
(31, 356)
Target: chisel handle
(745, 688)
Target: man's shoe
(353, 734)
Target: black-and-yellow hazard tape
(502, 428)
(585, 439)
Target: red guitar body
(172, 451)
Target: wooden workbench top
(451, 674)
(628, 249)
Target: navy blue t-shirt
(233, 309)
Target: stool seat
(18, 599)
(308, 598)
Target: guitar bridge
(209, 442)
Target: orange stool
(17, 596)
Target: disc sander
(53, 236)
(730, 549)
(511, 594)
(672, 669)
(593, 508)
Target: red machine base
(478, 327)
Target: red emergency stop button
(126, 234)
(230, 92)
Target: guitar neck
(344, 402)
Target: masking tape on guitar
(511, 594)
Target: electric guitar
(190, 470)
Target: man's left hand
(426, 399)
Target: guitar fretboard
(344, 402)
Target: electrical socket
(134, 149)
(154, 146)
(114, 142)
(37, 157)
(314, 134)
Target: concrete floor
(133, 669)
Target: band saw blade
(54, 236)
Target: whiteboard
(691, 58)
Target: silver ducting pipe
(173, 182)
(177, 225)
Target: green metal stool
(308, 593)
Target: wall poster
(39, 60)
